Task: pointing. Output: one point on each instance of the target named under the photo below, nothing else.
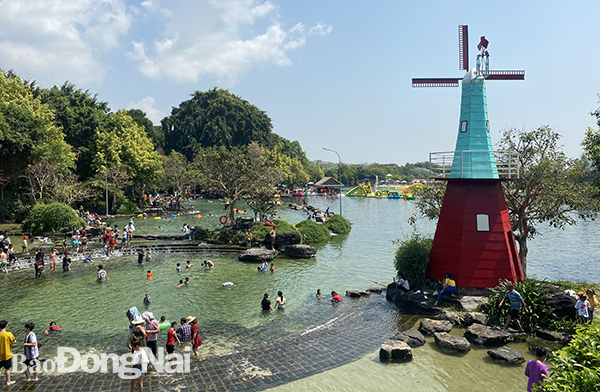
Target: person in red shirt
(171, 337)
(336, 297)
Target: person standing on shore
(152, 329)
(591, 295)
(7, 339)
(32, 352)
(196, 339)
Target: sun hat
(137, 320)
(189, 319)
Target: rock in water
(452, 343)
(506, 354)
(471, 302)
(412, 337)
(283, 239)
(395, 350)
(484, 335)
(357, 293)
(300, 251)
(553, 336)
(475, 318)
(258, 255)
(429, 326)
(454, 318)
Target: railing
(474, 164)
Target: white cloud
(60, 39)
(224, 38)
(147, 106)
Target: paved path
(358, 331)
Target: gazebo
(325, 185)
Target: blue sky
(330, 73)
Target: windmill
(474, 239)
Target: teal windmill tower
(473, 238)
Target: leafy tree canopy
(154, 132)
(214, 118)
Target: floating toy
(164, 326)
(157, 217)
(197, 216)
(139, 215)
(223, 219)
(174, 216)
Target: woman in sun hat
(152, 329)
(196, 339)
(137, 330)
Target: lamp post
(339, 174)
(106, 182)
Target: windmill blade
(506, 75)
(436, 82)
(463, 47)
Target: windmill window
(463, 126)
(483, 222)
(487, 125)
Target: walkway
(351, 335)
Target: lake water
(93, 315)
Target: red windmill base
(474, 240)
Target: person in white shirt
(139, 361)
(583, 309)
(403, 283)
(32, 352)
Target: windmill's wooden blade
(506, 75)
(463, 47)
(436, 82)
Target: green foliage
(565, 325)
(338, 225)
(412, 258)
(155, 133)
(128, 207)
(313, 233)
(214, 118)
(283, 226)
(535, 297)
(238, 238)
(575, 367)
(260, 231)
(51, 218)
(224, 236)
(201, 233)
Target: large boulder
(475, 318)
(395, 350)
(454, 318)
(506, 354)
(258, 255)
(300, 251)
(375, 290)
(283, 239)
(486, 336)
(451, 343)
(562, 306)
(429, 326)
(553, 336)
(412, 337)
(413, 303)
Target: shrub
(534, 295)
(576, 366)
(127, 207)
(313, 233)
(224, 236)
(51, 218)
(238, 238)
(338, 224)
(283, 226)
(412, 258)
(201, 233)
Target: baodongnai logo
(69, 360)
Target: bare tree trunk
(522, 241)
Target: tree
(154, 132)
(214, 118)
(81, 116)
(549, 187)
(235, 174)
(177, 173)
(123, 142)
(591, 146)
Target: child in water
(147, 299)
(149, 275)
(179, 269)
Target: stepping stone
(451, 343)
(471, 302)
(454, 318)
(395, 350)
(258, 255)
(475, 318)
(484, 335)
(412, 337)
(429, 326)
(506, 354)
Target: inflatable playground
(406, 192)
